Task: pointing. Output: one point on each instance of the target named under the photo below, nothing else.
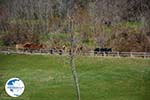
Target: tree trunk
(72, 63)
(75, 77)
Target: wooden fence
(90, 53)
(120, 54)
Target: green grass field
(50, 78)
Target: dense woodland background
(123, 25)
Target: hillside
(119, 24)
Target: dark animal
(102, 50)
(57, 50)
(52, 50)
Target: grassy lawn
(50, 78)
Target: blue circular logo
(14, 87)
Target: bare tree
(70, 10)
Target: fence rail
(90, 53)
(122, 54)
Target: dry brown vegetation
(122, 25)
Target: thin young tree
(70, 10)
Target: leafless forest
(123, 25)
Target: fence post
(131, 55)
(118, 54)
(104, 54)
(91, 53)
(144, 55)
